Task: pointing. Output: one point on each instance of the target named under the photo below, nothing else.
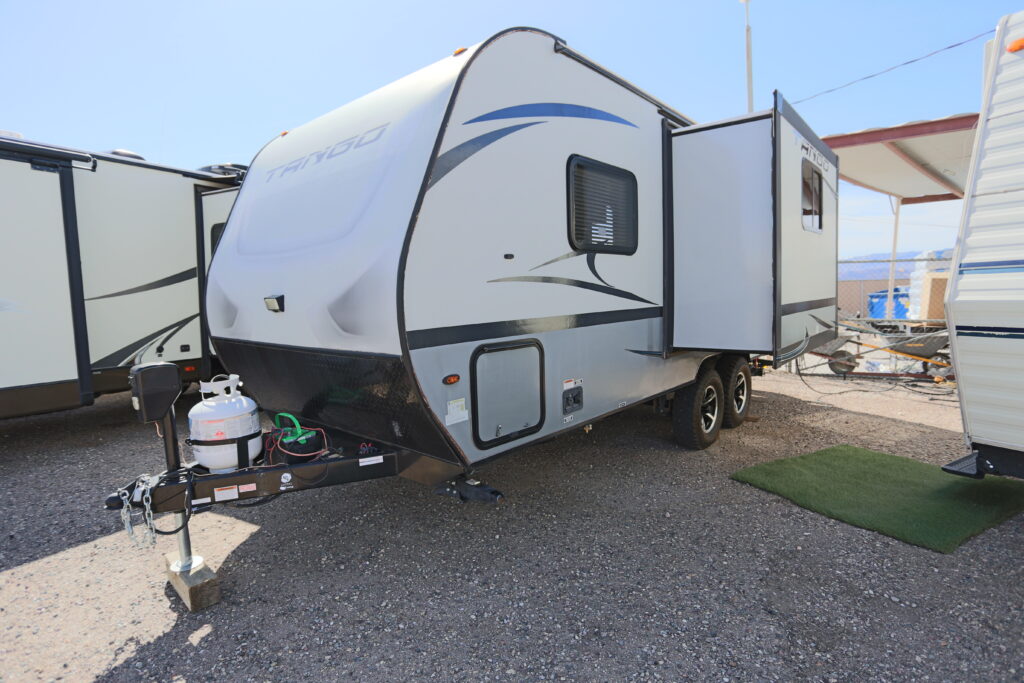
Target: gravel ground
(617, 556)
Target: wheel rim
(709, 409)
(740, 393)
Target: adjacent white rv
(985, 302)
(514, 242)
(104, 266)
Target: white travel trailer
(985, 301)
(78, 305)
(514, 242)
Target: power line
(891, 68)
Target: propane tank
(225, 415)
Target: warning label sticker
(571, 383)
(247, 488)
(456, 412)
(225, 493)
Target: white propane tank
(223, 414)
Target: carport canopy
(915, 163)
(918, 162)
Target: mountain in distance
(854, 269)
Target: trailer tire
(697, 411)
(737, 380)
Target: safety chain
(148, 537)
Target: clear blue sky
(191, 83)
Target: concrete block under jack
(198, 587)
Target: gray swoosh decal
(447, 162)
(592, 264)
(801, 306)
(652, 354)
(591, 256)
(576, 283)
(129, 352)
(571, 254)
(800, 348)
(183, 276)
(827, 326)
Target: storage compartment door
(508, 402)
(722, 243)
(806, 237)
(36, 300)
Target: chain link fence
(920, 288)
(884, 335)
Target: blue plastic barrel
(878, 301)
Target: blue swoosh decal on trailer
(992, 332)
(576, 111)
(447, 162)
(987, 267)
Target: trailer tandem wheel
(736, 379)
(697, 411)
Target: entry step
(966, 466)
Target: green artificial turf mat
(898, 497)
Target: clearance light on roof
(458, 52)
(1016, 46)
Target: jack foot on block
(198, 587)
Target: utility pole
(750, 62)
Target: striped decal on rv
(993, 332)
(987, 267)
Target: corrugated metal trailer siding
(986, 301)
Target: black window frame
(216, 235)
(817, 201)
(577, 160)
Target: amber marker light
(1016, 46)
(458, 52)
(451, 379)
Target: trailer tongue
(186, 489)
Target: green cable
(292, 434)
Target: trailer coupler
(464, 489)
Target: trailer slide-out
(78, 306)
(507, 245)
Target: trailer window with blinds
(602, 207)
(811, 200)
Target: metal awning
(922, 161)
(917, 162)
